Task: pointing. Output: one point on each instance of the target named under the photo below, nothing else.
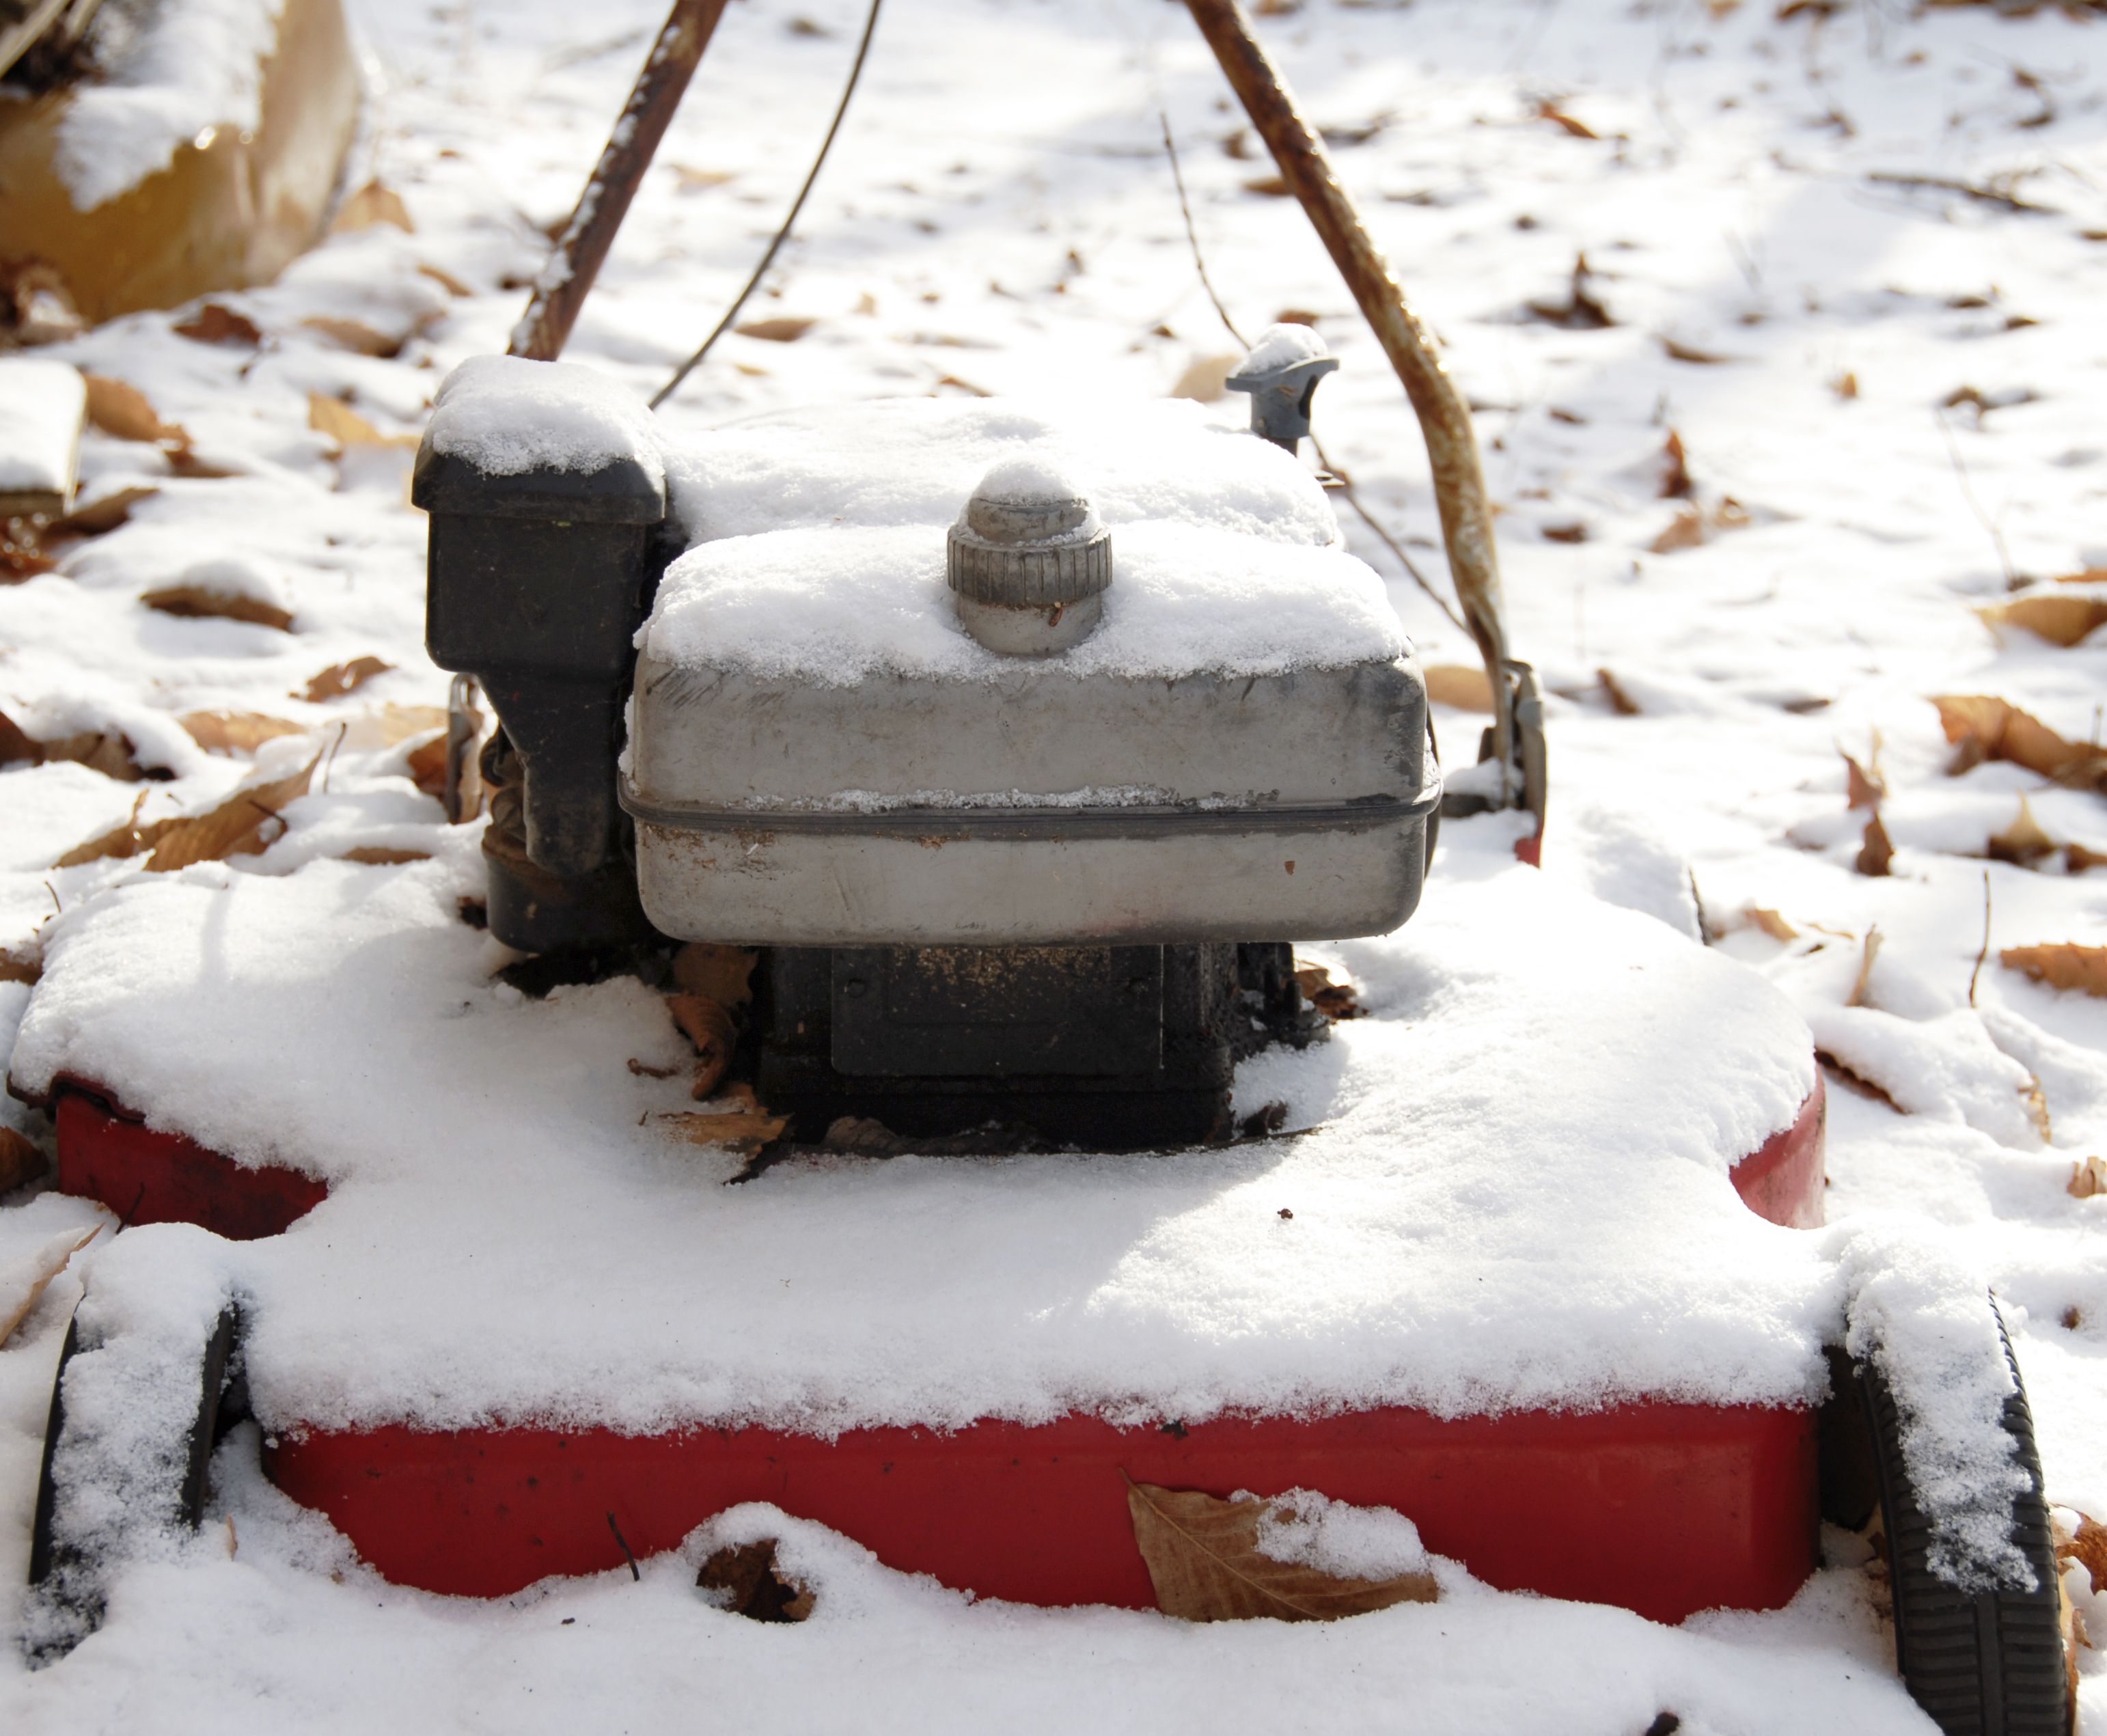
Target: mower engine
(1020, 744)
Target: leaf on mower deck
(247, 823)
(194, 602)
(1203, 1557)
(378, 856)
(100, 515)
(745, 1577)
(122, 410)
(781, 328)
(743, 1131)
(215, 324)
(335, 419)
(354, 335)
(1983, 728)
(2061, 619)
(2023, 843)
(709, 1026)
(23, 1285)
(372, 203)
(235, 731)
(2089, 1179)
(1875, 852)
(1462, 686)
(723, 973)
(20, 1161)
(2065, 966)
(341, 678)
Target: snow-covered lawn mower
(978, 805)
(862, 1066)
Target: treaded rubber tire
(1980, 1663)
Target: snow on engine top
(817, 545)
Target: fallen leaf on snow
(355, 335)
(23, 1285)
(783, 328)
(1268, 186)
(709, 1026)
(123, 410)
(1864, 789)
(1679, 352)
(2088, 1543)
(446, 280)
(379, 855)
(1580, 310)
(235, 731)
(2088, 1179)
(1770, 922)
(743, 1133)
(1203, 378)
(335, 420)
(100, 515)
(1875, 852)
(215, 324)
(240, 826)
(341, 678)
(1546, 110)
(746, 1578)
(1203, 1559)
(1463, 685)
(106, 751)
(693, 180)
(1869, 951)
(1620, 702)
(1693, 526)
(370, 205)
(196, 602)
(2023, 843)
(2059, 618)
(2064, 966)
(1675, 480)
(127, 839)
(1983, 728)
(1335, 1001)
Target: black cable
(782, 234)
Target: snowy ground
(1899, 400)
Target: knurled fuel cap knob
(1029, 560)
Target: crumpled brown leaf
(1462, 686)
(122, 410)
(336, 419)
(341, 678)
(1983, 728)
(2064, 966)
(782, 328)
(1875, 852)
(1203, 1559)
(2089, 1179)
(20, 1161)
(746, 1576)
(196, 602)
(1335, 1001)
(2058, 617)
(105, 751)
(215, 324)
(709, 1026)
(2023, 843)
(742, 1131)
(247, 823)
(370, 205)
(235, 731)
(355, 335)
(723, 973)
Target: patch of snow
(506, 414)
(1311, 1530)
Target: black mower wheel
(1982, 1663)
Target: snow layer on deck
(819, 544)
(1517, 1196)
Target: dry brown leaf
(1203, 1559)
(1203, 381)
(1620, 702)
(184, 463)
(16, 745)
(428, 767)
(1863, 788)
(783, 328)
(20, 1161)
(2065, 966)
(119, 842)
(99, 517)
(723, 973)
(355, 335)
(22, 964)
(370, 205)
(2057, 617)
(341, 678)
(2023, 843)
(2087, 1178)
(2034, 1100)
(393, 723)
(694, 180)
(335, 420)
(743, 1133)
(1983, 728)
(247, 823)
(1546, 110)
(215, 324)
(1268, 186)
(1675, 480)
(1685, 530)
(1335, 1001)
(100, 750)
(195, 602)
(1874, 852)
(2087, 1545)
(446, 280)
(1463, 685)
(17, 1308)
(378, 856)
(710, 1027)
(2077, 859)
(123, 410)
(1581, 311)
(1680, 351)
(1845, 385)
(753, 1585)
(1770, 922)
(235, 731)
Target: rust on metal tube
(1445, 419)
(568, 279)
